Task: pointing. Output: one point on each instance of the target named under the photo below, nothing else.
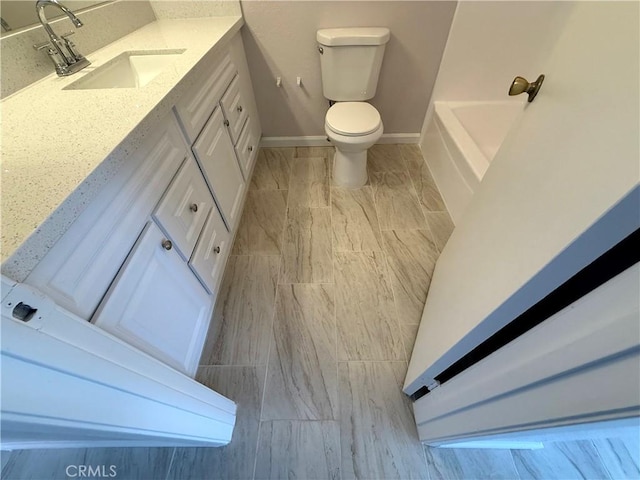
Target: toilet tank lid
(353, 36)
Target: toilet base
(350, 169)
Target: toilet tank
(350, 60)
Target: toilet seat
(353, 119)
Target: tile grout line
(271, 332)
(173, 456)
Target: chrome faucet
(61, 50)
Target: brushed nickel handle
(166, 244)
(226, 123)
(216, 250)
(239, 108)
(522, 85)
(194, 207)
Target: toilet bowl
(352, 127)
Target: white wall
(492, 42)
(280, 40)
(194, 8)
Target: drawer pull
(193, 207)
(239, 108)
(216, 250)
(226, 123)
(250, 148)
(166, 244)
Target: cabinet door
(246, 148)
(209, 257)
(215, 154)
(234, 111)
(184, 208)
(157, 304)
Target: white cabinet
(215, 154)
(157, 304)
(145, 259)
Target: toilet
(350, 61)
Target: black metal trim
(613, 262)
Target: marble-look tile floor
(315, 322)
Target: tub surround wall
(280, 40)
(22, 65)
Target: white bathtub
(460, 143)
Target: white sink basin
(128, 70)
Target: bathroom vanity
(139, 190)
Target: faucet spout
(70, 60)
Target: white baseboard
(321, 140)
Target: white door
(562, 190)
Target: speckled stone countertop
(60, 147)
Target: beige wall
(280, 40)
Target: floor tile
(409, 333)
(396, 201)
(620, 456)
(377, 432)
(365, 314)
(354, 220)
(302, 152)
(470, 463)
(243, 385)
(428, 193)
(441, 227)
(411, 255)
(306, 250)
(385, 158)
(240, 329)
(310, 182)
(411, 152)
(262, 223)
(560, 461)
(272, 169)
(299, 450)
(128, 463)
(301, 378)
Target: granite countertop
(60, 147)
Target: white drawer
(194, 108)
(184, 207)
(246, 148)
(213, 247)
(234, 111)
(217, 158)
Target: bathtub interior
(461, 141)
(487, 123)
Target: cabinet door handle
(194, 207)
(250, 148)
(239, 108)
(166, 244)
(216, 250)
(226, 123)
